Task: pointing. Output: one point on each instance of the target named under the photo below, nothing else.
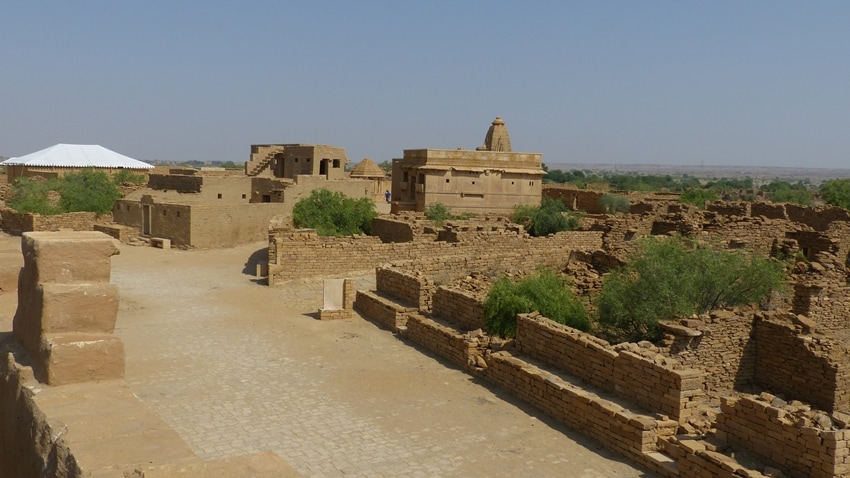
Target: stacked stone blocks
(67, 308)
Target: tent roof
(77, 156)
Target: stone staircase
(257, 164)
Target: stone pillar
(67, 308)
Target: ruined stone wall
(444, 341)
(729, 208)
(818, 218)
(723, 348)
(13, 222)
(297, 254)
(462, 308)
(802, 367)
(174, 182)
(576, 199)
(783, 438)
(392, 230)
(768, 210)
(27, 444)
(411, 288)
(656, 384)
(606, 421)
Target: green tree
(836, 192)
(30, 195)
(671, 278)
(88, 190)
(547, 218)
(438, 212)
(334, 214)
(543, 291)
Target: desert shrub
(88, 190)
(614, 203)
(334, 214)
(672, 278)
(543, 291)
(698, 197)
(836, 192)
(30, 195)
(548, 218)
(437, 212)
(127, 176)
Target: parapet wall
(410, 288)
(786, 438)
(174, 182)
(653, 382)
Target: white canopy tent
(77, 156)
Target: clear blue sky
(629, 82)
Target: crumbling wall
(462, 308)
(808, 443)
(174, 182)
(636, 373)
(411, 288)
(29, 446)
(14, 222)
(720, 343)
(800, 366)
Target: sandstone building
(292, 160)
(493, 178)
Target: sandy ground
(237, 369)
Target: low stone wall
(302, 253)
(13, 222)
(459, 349)
(381, 311)
(462, 308)
(28, 445)
(694, 459)
(811, 369)
(790, 441)
(411, 288)
(654, 383)
(392, 230)
(123, 233)
(615, 427)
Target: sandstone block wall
(802, 367)
(444, 341)
(14, 222)
(723, 348)
(302, 253)
(462, 308)
(67, 308)
(411, 288)
(773, 433)
(174, 182)
(386, 313)
(645, 381)
(617, 428)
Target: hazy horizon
(661, 82)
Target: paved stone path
(236, 367)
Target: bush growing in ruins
(548, 218)
(698, 197)
(671, 277)
(126, 176)
(614, 203)
(836, 192)
(88, 190)
(439, 213)
(543, 291)
(30, 195)
(334, 214)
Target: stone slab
(68, 256)
(74, 357)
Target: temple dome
(497, 138)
